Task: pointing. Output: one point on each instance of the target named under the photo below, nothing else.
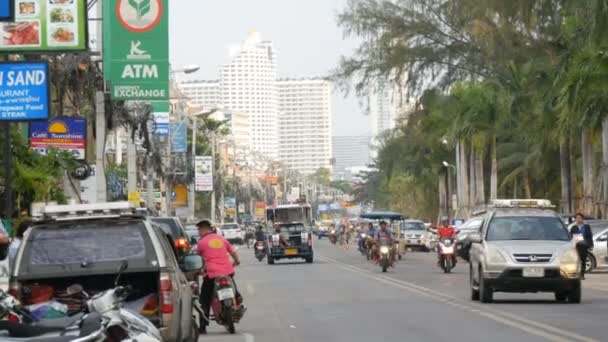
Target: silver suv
(523, 246)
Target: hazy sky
(304, 33)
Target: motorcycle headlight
(495, 256)
(569, 262)
(384, 250)
(363, 236)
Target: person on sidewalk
(583, 236)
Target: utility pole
(131, 163)
(192, 192)
(8, 173)
(214, 174)
(100, 120)
(150, 171)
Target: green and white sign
(46, 26)
(136, 49)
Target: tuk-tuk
(290, 234)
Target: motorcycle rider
(383, 237)
(214, 250)
(259, 234)
(445, 231)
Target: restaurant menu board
(46, 25)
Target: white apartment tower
(382, 110)
(203, 94)
(248, 85)
(305, 124)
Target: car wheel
(575, 295)
(486, 295)
(270, 260)
(309, 259)
(474, 292)
(561, 296)
(590, 263)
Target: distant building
(202, 94)
(239, 127)
(350, 152)
(305, 114)
(248, 85)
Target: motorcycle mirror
(123, 267)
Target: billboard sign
(24, 91)
(260, 210)
(6, 10)
(203, 173)
(66, 134)
(179, 136)
(161, 118)
(46, 26)
(137, 65)
(230, 206)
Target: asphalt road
(341, 297)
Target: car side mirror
(475, 238)
(603, 237)
(192, 262)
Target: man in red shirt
(216, 252)
(445, 231)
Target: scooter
(385, 257)
(447, 255)
(226, 310)
(361, 244)
(333, 238)
(260, 250)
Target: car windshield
(527, 228)
(87, 242)
(230, 226)
(169, 225)
(295, 228)
(412, 226)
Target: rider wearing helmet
(445, 231)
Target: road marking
(532, 327)
(248, 337)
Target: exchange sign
(24, 91)
(46, 26)
(203, 174)
(138, 63)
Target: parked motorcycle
(447, 254)
(260, 250)
(226, 310)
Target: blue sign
(24, 91)
(66, 134)
(178, 137)
(6, 10)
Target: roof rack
(522, 203)
(87, 211)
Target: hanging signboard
(66, 134)
(260, 210)
(46, 26)
(203, 174)
(6, 10)
(24, 91)
(137, 65)
(179, 136)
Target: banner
(161, 118)
(6, 10)
(260, 210)
(137, 65)
(66, 134)
(179, 136)
(203, 173)
(230, 206)
(46, 26)
(24, 91)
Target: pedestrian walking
(584, 240)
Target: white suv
(523, 247)
(233, 233)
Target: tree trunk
(604, 205)
(494, 172)
(564, 164)
(458, 208)
(441, 193)
(472, 177)
(480, 197)
(527, 187)
(588, 172)
(464, 179)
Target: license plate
(291, 251)
(260, 247)
(225, 294)
(448, 250)
(533, 272)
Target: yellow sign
(135, 198)
(230, 211)
(181, 195)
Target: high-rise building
(248, 85)
(350, 152)
(239, 127)
(382, 110)
(202, 94)
(305, 123)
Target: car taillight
(181, 243)
(166, 288)
(224, 282)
